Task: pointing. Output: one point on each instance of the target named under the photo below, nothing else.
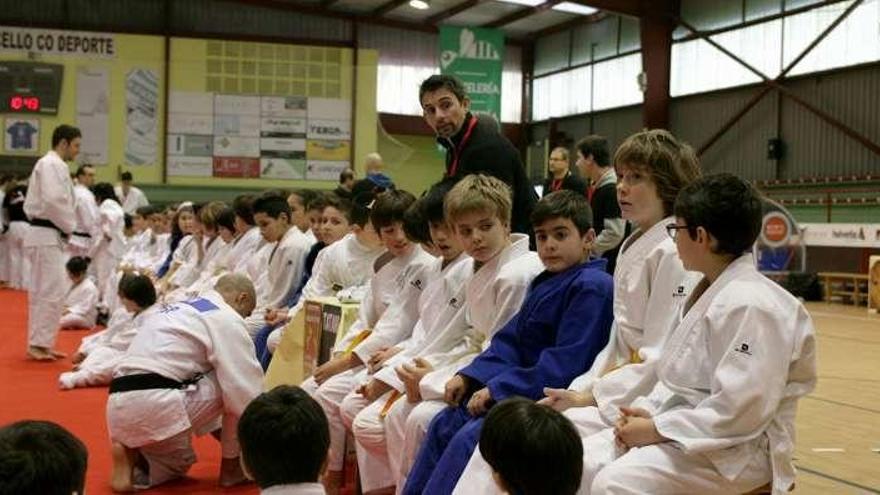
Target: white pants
(17, 258)
(330, 395)
(405, 427)
(105, 270)
(73, 320)
(661, 469)
(368, 428)
(46, 296)
(4, 256)
(94, 371)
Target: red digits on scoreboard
(19, 103)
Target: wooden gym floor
(838, 425)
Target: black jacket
(488, 152)
(570, 182)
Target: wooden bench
(852, 287)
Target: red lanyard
(555, 185)
(457, 150)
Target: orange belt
(390, 402)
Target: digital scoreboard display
(30, 87)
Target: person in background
(81, 304)
(560, 176)
(375, 166)
(15, 230)
(129, 196)
(593, 161)
(346, 181)
(88, 219)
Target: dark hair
(305, 196)
(137, 288)
(729, 208)
(176, 234)
(81, 170)
(389, 208)
(533, 448)
(597, 146)
(226, 219)
(366, 185)
(77, 265)
(145, 211)
(360, 207)
(127, 220)
(65, 132)
(671, 163)
(318, 201)
(564, 204)
(284, 437)
(41, 457)
(103, 191)
(273, 206)
(243, 207)
(346, 175)
(415, 226)
(431, 203)
(443, 81)
(126, 177)
(345, 206)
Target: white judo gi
(88, 222)
(201, 337)
(650, 284)
(107, 250)
(343, 265)
(441, 326)
(389, 312)
(49, 197)
(103, 351)
(81, 305)
(728, 382)
(194, 274)
(283, 269)
(494, 294)
(133, 200)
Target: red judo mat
(29, 390)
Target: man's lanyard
(467, 135)
(557, 183)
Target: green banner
(476, 56)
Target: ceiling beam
(386, 8)
(451, 11)
(522, 14)
(327, 3)
(573, 23)
(632, 8)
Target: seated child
(284, 441)
(41, 457)
(532, 449)
(563, 324)
(81, 303)
(99, 354)
(720, 418)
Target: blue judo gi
(562, 326)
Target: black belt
(82, 234)
(41, 222)
(149, 381)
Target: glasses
(672, 229)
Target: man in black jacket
(475, 145)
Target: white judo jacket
(50, 197)
(88, 219)
(82, 300)
(111, 238)
(179, 341)
(733, 370)
(441, 325)
(493, 296)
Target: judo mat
(29, 390)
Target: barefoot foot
(123, 465)
(231, 472)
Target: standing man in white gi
(87, 217)
(50, 207)
(129, 196)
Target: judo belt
(82, 234)
(149, 381)
(41, 222)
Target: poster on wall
(57, 43)
(283, 106)
(141, 117)
(231, 146)
(325, 170)
(282, 168)
(476, 57)
(191, 113)
(874, 284)
(283, 148)
(92, 114)
(329, 129)
(283, 127)
(190, 145)
(22, 135)
(238, 167)
(190, 166)
(330, 151)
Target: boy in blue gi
(561, 327)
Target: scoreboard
(30, 87)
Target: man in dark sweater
(593, 161)
(475, 145)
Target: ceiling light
(530, 3)
(575, 8)
(419, 4)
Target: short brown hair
(478, 192)
(443, 81)
(672, 164)
(209, 213)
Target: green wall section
(413, 162)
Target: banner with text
(476, 56)
(52, 42)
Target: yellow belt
(357, 340)
(634, 358)
(390, 402)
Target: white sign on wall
(857, 235)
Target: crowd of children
(475, 365)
